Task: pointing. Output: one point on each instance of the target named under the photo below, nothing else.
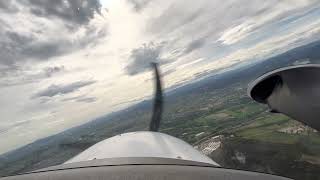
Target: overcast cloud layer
(66, 62)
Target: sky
(67, 62)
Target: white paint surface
(142, 144)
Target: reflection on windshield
(74, 73)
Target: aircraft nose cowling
(293, 91)
(142, 144)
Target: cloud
(49, 71)
(15, 125)
(18, 48)
(167, 72)
(74, 11)
(176, 16)
(54, 90)
(81, 98)
(7, 6)
(237, 33)
(14, 76)
(196, 44)
(45, 50)
(87, 99)
(270, 21)
(142, 57)
(138, 5)
(11, 44)
(38, 30)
